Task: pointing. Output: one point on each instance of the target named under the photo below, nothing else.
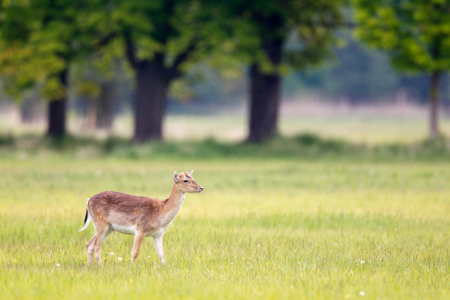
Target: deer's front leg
(138, 238)
(159, 248)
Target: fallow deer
(138, 216)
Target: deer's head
(186, 183)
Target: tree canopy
(41, 38)
(415, 33)
(39, 41)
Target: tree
(416, 35)
(160, 38)
(260, 31)
(39, 41)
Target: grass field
(299, 218)
(262, 229)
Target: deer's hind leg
(103, 230)
(90, 250)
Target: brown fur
(112, 211)
(140, 211)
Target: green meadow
(322, 220)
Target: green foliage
(179, 33)
(181, 90)
(254, 25)
(414, 32)
(21, 66)
(40, 39)
(165, 27)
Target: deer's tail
(87, 218)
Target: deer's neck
(172, 206)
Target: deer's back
(124, 209)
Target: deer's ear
(175, 176)
(190, 173)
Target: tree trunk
(151, 93)
(265, 93)
(105, 106)
(57, 111)
(434, 105)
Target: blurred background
(364, 71)
(320, 130)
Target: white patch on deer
(157, 232)
(124, 229)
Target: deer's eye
(185, 181)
